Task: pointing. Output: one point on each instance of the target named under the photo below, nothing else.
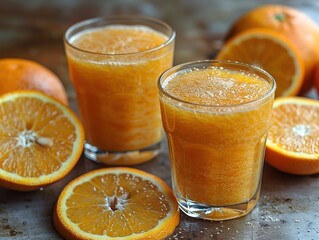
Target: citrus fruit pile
(42, 139)
(281, 35)
(283, 41)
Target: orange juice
(216, 120)
(115, 76)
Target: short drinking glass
(216, 115)
(114, 64)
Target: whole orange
(294, 24)
(22, 74)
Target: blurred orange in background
(23, 74)
(294, 24)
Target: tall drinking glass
(114, 64)
(216, 116)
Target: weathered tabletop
(33, 29)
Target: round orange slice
(116, 203)
(293, 138)
(41, 140)
(271, 51)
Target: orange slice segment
(293, 138)
(116, 203)
(41, 140)
(271, 51)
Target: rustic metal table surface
(33, 29)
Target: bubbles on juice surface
(216, 86)
(118, 39)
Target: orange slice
(293, 138)
(271, 51)
(41, 140)
(116, 203)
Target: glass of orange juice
(114, 64)
(216, 115)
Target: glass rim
(204, 63)
(146, 19)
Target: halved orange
(293, 138)
(271, 51)
(41, 140)
(295, 24)
(116, 203)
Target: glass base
(217, 213)
(124, 158)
